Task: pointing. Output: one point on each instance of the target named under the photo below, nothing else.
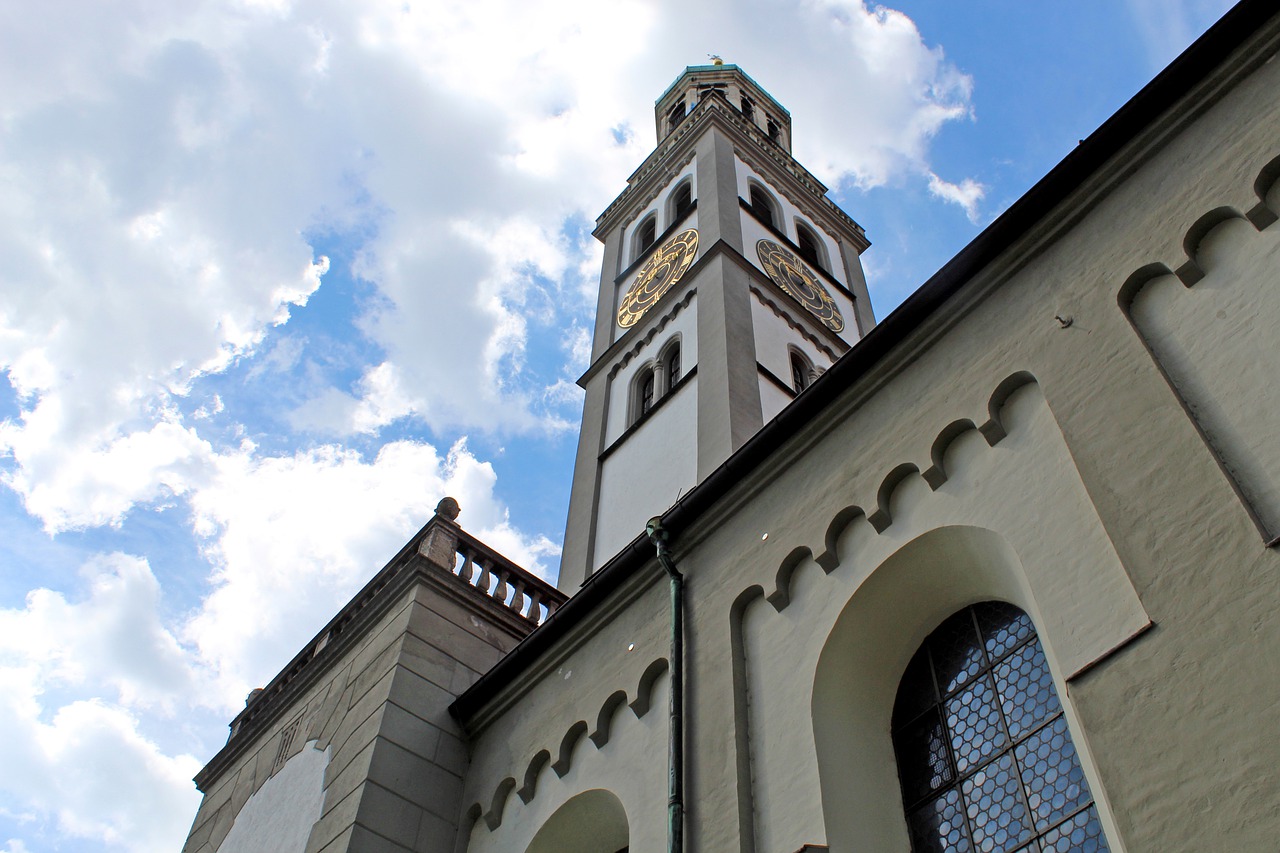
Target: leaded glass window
(984, 755)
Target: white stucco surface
(279, 817)
(1213, 340)
(648, 471)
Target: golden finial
(715, 59)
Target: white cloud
(85, 761)
(157, 194)
(102, 780)
(114, 638)
(293, 538)
(966, 194)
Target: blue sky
(279, 275)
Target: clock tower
(730, 281)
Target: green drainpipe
(675, 771)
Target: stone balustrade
(443, 545)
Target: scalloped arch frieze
(992, 430)
(1209, 324)
(564, 750)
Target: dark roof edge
(1197, 63)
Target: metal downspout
(675, 770)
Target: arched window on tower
(681, 201)
(645, 393)
(671, 366)
(984, 754)
(761, 204)
(645, 235)
(801, 371)
(675, 115)
(810, 246)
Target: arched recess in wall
(1215, 343)
(863, 660)
(591, 822)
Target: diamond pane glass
(939, 825)
(957, 654)
(916, 692)
(974, 722)
(1003, 626)
(922, 745)
(1027, 694)
(996, 813)
(1052, 774)
(984, 752)
(1081, 834)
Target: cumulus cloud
(159, 195)
(90, 767)
(293, 537)
(85, 761)
(113, 638)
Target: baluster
(517, 596)
(535, 605)
(483, 582)
(500, 591)
(468, 566)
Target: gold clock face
(790, 273)
(657, 276)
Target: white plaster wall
(1215, 342)
(644, 475)
(278, 818)
(683, 323)
(772, 399)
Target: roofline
(1197, 63)
(728, 66)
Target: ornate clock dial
(657, 276)
(790, 273)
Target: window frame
(965, 752)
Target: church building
(997, 572)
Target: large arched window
(984, 755)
